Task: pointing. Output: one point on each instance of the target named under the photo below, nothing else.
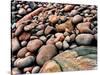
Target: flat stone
(50, 66)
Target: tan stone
(50, 66)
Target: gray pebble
(29, 10)
(13, 8)
(23, 43)
(26, 6)
(40, 26)
(72, 37)
(35, 69)
(66, 34)
(15, 71)
(39, 33)
(86, 11)
(59, 44)
(65, 45)
(84, 39)
(13, 25)
(67, 38)
(73, 46)
(33, 37)
(28, 72)
(25, 62)
(48, 29)
(22, 11)
(74, 12)
(18, 6)
(43, 38)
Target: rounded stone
(67, 38)
(46, 52)
(15, 45)
(33, 45)
(77, 18)
(22, 11)
(23, 43)
(48, 29)
(59, 44)
(25, 62)
(28, 69)
(24, 36)
(15, 71)
(35, 69)
(39, 33)
(84, 39)
(43, 38)
(84, 27)
(73, 12)
(21, 53)
(65, 44)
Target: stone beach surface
(52, 37)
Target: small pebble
(25, 62)
(73, 46)
(39, 33)
(73, 12)
(35, 69)
(13, 25)
(43, 38)
(67, 38)
(65, 45)
(15, 71)
(23, 43)
(59, 45)
(22, 11)
(68, 8)
(15, 45)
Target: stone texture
(68, 8)
(84, 27)
(15, 44)
(68, 26)
(46, 52)
(50, 66)
(53, 18)
(33, 45)
(24, 36)
(84, 39)
(21, 53)
(77, 18)
(25, 62)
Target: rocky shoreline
(52, 37)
